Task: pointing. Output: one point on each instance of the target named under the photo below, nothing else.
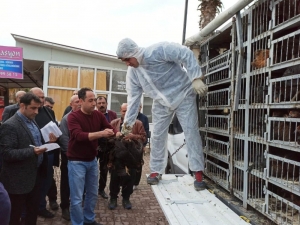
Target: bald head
(74, 103)
(124, 105)
(19, 94)
(73, 98)
(123, 110)
(40, 93)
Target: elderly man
(126, 181)
(23, 163)
(69, 108)
(10, 110)
(63, 142)
(157, 71)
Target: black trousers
(30, 200)
(103, 159)
(126, 182)
(52, 193)
(64, 182)
(138, 175)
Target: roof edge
(65, 47)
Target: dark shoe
(126, 204)
(112, 203)
(93, 223)
(65, 214)
(22, 222)
(199, 184)
(153, 178)
(45, 213)
(53, 205)
(103, 194)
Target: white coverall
(161, 76)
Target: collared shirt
(35, 134)
(106, 115)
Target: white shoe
(134, 187)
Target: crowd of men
(27, 170)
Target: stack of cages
(252, 110)
(283, 120)
(214, 108)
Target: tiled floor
(146, 209)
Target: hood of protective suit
(127, 48)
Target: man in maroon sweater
(86, 126)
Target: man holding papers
(46, 115)
(23, 166)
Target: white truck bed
(183, 205)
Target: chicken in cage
(284, 205)
(286, 10)
(285, 169)
(259, 163)
(286, 88)
(260, 58)
(297, 133)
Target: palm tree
(208, 11)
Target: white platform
(183, 205)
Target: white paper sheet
(50, 128)
(50, 146)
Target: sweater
(80, 148)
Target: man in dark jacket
(110, 115)
(44, 116)
(23, 164)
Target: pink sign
(11, 62)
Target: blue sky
(99, 25)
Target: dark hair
(100, 97)
(50, 100)
(28, 97)
(82, 92)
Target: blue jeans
(46, 182)
(83, 175)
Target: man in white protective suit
(157, 71)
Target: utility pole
(184, 20)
